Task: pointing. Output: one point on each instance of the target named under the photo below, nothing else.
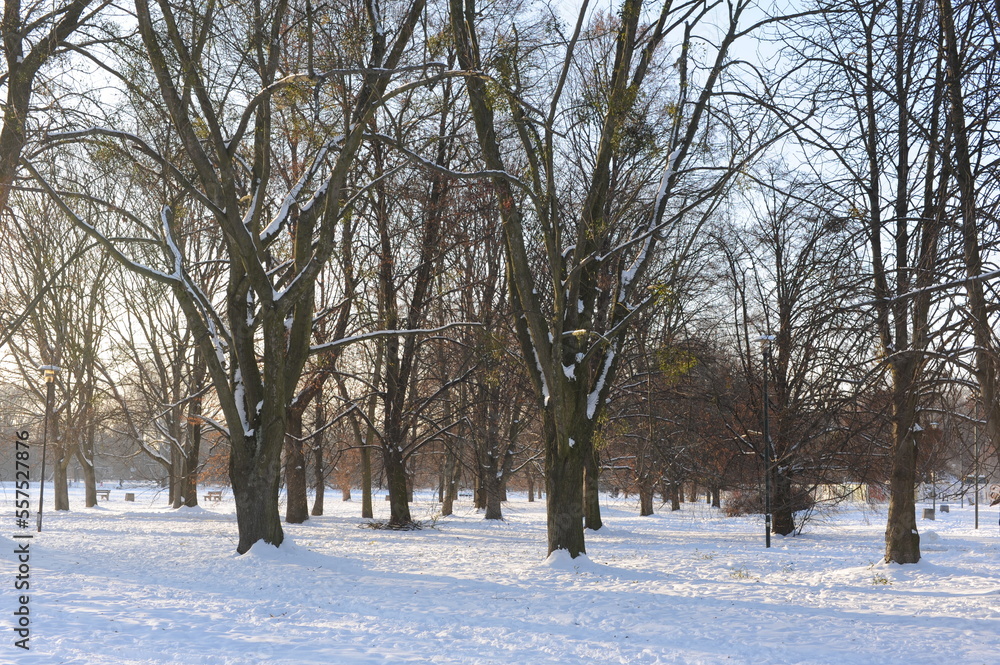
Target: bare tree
(64, 329)
(256, 337)
(33, 32)
(877, 74)
(577, 290)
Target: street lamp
(49, 372)
(765, 345)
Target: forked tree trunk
(255, 483)
(563, 492)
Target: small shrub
(878, 577)
(740, 573)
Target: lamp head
(49, 372)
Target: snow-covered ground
(137, 583)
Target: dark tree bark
(782, 514)
(319, 461)
(645, 500)
(60, 479)
(568, 354)
(366, 483)
(452, 471)
(296, 502)
(591, 488)
(397, 482)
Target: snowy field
(139, 584)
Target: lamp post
(49, 372)
(765, 345)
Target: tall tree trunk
(564, 496)
(255, 481)
(85, 455)
(319, 462)
(902, 542)
(176, 474)
(366, 483)
(985, 354)
(564, 460)
(452, 471)
(193, 458)
(297, 501)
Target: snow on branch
(387, 333)
(282, 215)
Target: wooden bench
(104, 495)
(213, 495)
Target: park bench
(213, 495)
(103, 495)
